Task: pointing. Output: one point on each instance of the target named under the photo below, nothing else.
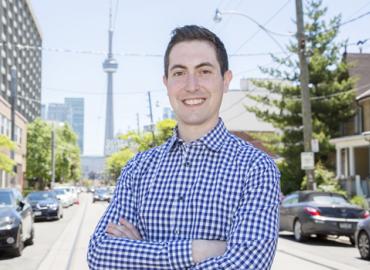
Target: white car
(64, 196)
(73, 191)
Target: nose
(192, 83)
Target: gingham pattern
(217, 187)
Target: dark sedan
(45, 205)
(16, 221)
(363, 238)
(320, 213)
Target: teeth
(194, 101)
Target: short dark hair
(194, 32)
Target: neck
(190, 133)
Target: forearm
(108, 252)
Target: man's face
(194, 84)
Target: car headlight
(7, 222)
(53, 206)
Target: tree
(6, 145)
(67, 154)
(38, 153)
(330, 89)
(138, 143)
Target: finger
(114, 231)
(120, 231)
(130, 227)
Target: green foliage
(330, 91)
(67, 155)
(117, 160)
(6, 164)
(139, 143)
(38, 153)
(360, 201)
(325, 180)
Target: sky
(75, 42)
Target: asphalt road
(62, 245)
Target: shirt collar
(213, 140)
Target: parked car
(320, 213)
(64, 196)
(73, 191)
(102, 194)
(363, 238)
(16, 221)
(45, 205)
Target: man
(203, 200)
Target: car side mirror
(21, 204)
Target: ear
(228, 75)
(164, 79)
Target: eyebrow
(205, 64)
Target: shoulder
(248, 156)
(145, 158)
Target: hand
(123, 229)
(204, 249)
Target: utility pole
(13, 88)
(151, 116)
(305, 93)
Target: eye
(206, 71)
(178, 73)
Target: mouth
(194, 101)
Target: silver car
(363, 238)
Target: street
(62, 245)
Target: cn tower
(110, 66)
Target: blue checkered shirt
(216, 188)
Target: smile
(195, 101)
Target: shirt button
(181, 198)
(187, 164)
(177, 231)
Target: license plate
(345, 225)
(38, 213)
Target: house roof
(360, 69)
(364, 95)
(255, 142)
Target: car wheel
(364, 245)
(298, 233)
(29, 241)
(20, 245)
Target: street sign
(315, 145)
(307, 161)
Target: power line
(124, 54)
(355, 19)
(258, 30)
(100, 93)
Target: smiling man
(204, 199)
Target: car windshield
(5, 199)
(101, 191)
(38, 196)
(332, 200)
(59, 191)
